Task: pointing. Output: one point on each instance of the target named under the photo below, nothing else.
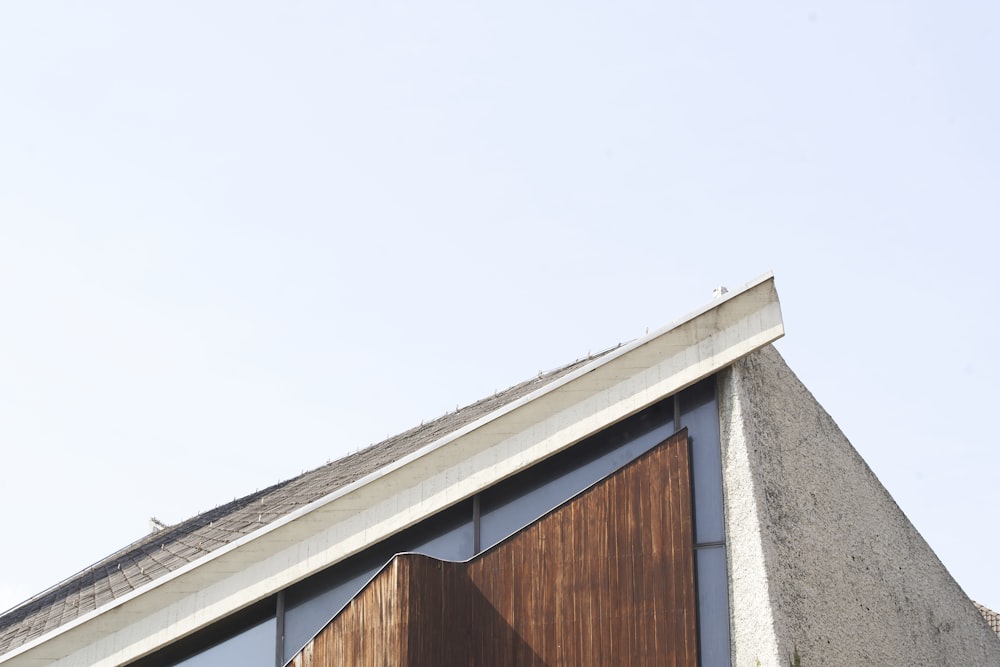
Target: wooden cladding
(605, 579)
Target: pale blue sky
(238, 239)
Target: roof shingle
(992, 617)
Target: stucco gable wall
(821, 557)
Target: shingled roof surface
(175, 546)
(991, 617)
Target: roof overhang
(460, 464)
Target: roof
(175, 546)
(992, 618)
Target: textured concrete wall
(821, 557)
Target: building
(679, 500)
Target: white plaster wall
(821, 558)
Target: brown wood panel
(368, 631)
(605, 579)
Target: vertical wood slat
(605, 579)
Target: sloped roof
(167, 550)
(992, 618)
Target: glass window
(516, 502)
(700, 414)
(713, 606)
(311, 604)
(253, 647)
(446, 536)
